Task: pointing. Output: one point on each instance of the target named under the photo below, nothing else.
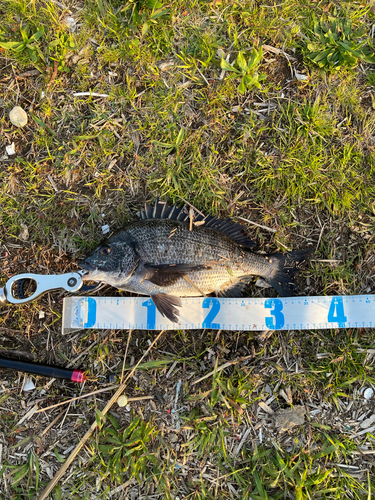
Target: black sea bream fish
(165, 257)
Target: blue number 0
(207, 303)
(278, 316)
(151, 314)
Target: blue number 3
(278, 316)
(207, 323)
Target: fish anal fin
(167, 305)
(168, 274)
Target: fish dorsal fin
(162, 210)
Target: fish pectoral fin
(167, 305)
(168, 274)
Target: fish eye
(106, 250)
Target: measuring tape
(287, 313)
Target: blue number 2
(206, 304)
(337, 306)
(151, 314)
(278, 316)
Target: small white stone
(24, 233)
(18, 116)
(70, 23)
(300, 76)
(367, 393)
(29, 385)
(105, 229)
(10, 149)
(122, 400)
(42, 314)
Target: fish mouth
(89, 270)
(86, 266)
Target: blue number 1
(278, 316)
(151, 314)
(207, 323)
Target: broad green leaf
(180, 137)
(226, 66)
(242, 86)
(241, 62)
(145, 28)
(16, 46)
(255, 58)
(159, 13)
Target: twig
(91, 94)
(274, 50)
(191, 217)
(80, 445)
(54, 74)
(222, 367)
(331, 261)
(235, 199)
(32, 72)
(4, 329)
(193, 285)
(52, 423)
(256, 224)
(105, 389)
(192, 206)
(126, 352)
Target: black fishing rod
(44, 370)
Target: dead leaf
(337, 360)
(287, 419)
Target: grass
(191, 114)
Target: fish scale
(166, 258)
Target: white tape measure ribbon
(256, 314)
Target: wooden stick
(105, 389)
(192, 206)
(126, 352)
(193, 285)
(52, 423)
(258, 225)
(80, 445)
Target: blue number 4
(336, 312)
(277, 321)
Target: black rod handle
(45, 370)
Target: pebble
(10, 149)
(70, 23)
(18, 116)
(367, 393)
(29, 385)
(122, 400)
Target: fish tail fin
(284, 268)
